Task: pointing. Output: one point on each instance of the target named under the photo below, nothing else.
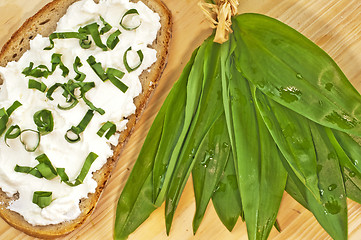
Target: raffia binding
(219, 14)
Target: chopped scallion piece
(113, 39)
(42, 198)
(73, 134)
(30, 139)
(44, 121)
(80, 76)
(108, 126)
(106, 27)
(125, 16)
(83, 172)
(28, 170)
(97, 67)
(39, 71)
(93, 30)
(13, 107)
(33, 84)
(45, 167)
(12, 133)
(125, 61)
(51, 90)
(114, 75)
(55, 61)
(5, 114)
(83, 38)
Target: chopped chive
(83, 39)
(108, 126)
(55, 61)
(106, 27)
(33, 84)
(12, 133)
(13, 107)
(125, 60)
(28, 170)
(42, 198)
(45, 167)
(114, 75)
(79, 129)
(44, 121)
(5, 114)
(84, 171)
(80, 76)
(28, 145)
(97, 67)
(126, 14)
(113, 39)
(39, 71)
(93, 30)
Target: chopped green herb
(108, 126)
(44, 121)
(42, 198)
(73, 134)
(33, 84)
(127, 15)
(125, 60)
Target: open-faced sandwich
(75, 78)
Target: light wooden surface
(335, 25)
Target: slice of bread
(44, 22)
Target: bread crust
(44, 22)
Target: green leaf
(135, 203)
(331, 213)
(254, 155)
(173, 125)
(209, 94)
(193, 91)
(348, 151)
(226, 197)
(295, 72)
(210, 161)
(293, 137)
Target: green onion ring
(125, 61)
(129, 12)
(31, 149)
(44, 121)
(113, 39)
(12, 133)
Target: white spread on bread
(117, 106)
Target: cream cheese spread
(116, 104)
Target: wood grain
(335, 25)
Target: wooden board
(335, 25)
